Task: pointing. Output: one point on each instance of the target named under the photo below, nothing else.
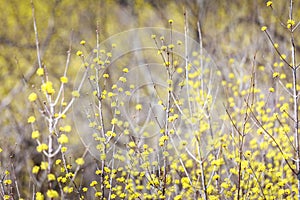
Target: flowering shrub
(159, 119)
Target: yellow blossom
(64, 149)
(109, 54)
(275, 74)
(7, 182)
(75, 93)
(290, 23)
(82, 42)
(93, 183)
(39, 196)
(105, 75)
(271, 89)
(264, 28)
(139, 106)
(79, 53)
(122, 79)
(52, 194)
(40, 71)
(68, 189)
(47, 88)
(269, 3)
(35, 169)
(42, 147)
(125, 70)
(79, 161)
(31, 119)
(58, 161)
(32, 97)
(44, 165)
(63, 139)
(64, 79)
(51, 177)
(131, 144)
(114, 121)
(35, 134)
(66, 128)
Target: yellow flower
(35, 169)
(68, 189)
(58, 161)
(105, 75)
(167, 64)
(47, 88)
(79, 53)
(170, 21)
(31, 119)
(290, 23)
(282, 56)
(131, 144)
(44, 165)
(171, 46)
(42, 147)
(139, 106)
(35, 134)
(39, 196)
(153, 36)
(122, 79)
(63, 139)
(289, 85)
(66, 128)
(40, 71)
(64, 79)
(75, 93)
(82, 42)
(103, 157)
(185, 182)
(114, 121)
(79, 161)
(271, 89)
(275, 74)
(52, 194)
(64, 149)
(7, 182)
(93, 183)
(224, 185)
(98, 194)
(32, 97)
(51, 177)
(269, 3)
(264, 28)
(163, 48)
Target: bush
(159, 119)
